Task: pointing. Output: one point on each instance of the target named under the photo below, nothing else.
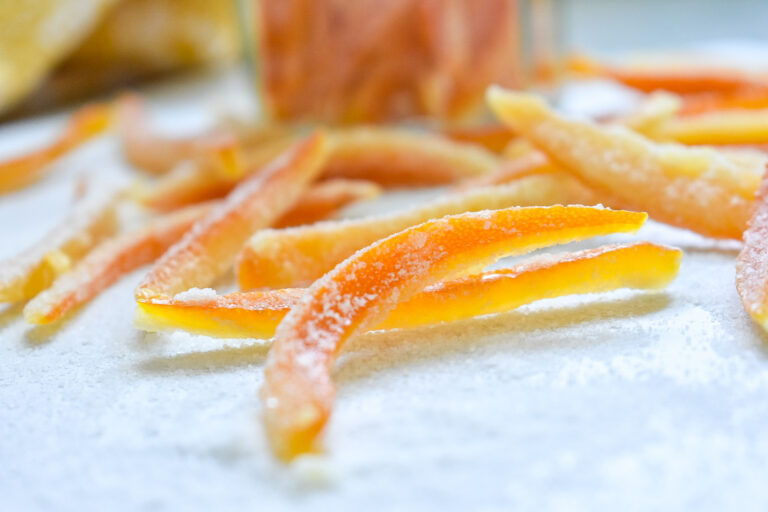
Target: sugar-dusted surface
(626, 400)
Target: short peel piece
(360, 292)
(109, 261)
(325, 198)
(92, 219)
(210, 247)
(699, 189)
(84, 124)
(641, 265)
(281, 258)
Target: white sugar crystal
(196, 295)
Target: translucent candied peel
(210, 247)
(108, 262)
(92, 219)
(24, 170)
(256, 314)
(694, 188)
(399, 157)
(361, 291)
(752, 264)
(325, 198)
(280, 258)
(718, 127)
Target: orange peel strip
(360, 292)
(325, 198)
(280, 258)
(752, 264)
(694, 188)
(494, 137)
(84, 124)
(210, 247)
(679, 79)
(92, 219)
(753, 97)
(156, 154)
(717, 128)
(108, 262)
(397, 157)
(199, 180)
(640, 265)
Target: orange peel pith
(92, 219)
(640, 265)
(109, 261)
(209, 248)
(24, 170)
(359, 293)
(694, 188)
(293, 257)
(752, 264)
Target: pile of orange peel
(262, 200)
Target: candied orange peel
(494, 137)
(92, 219)
(695, 188)
(280, 258)
(361, 291)
(108, 262)
(400, 157)
(210, 247)
(642, 265)
(752, 264)
(84, 124)
(325, 198)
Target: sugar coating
(196, 295)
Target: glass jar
(351, 61)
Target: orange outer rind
(695, 188)
(325, 198)
(92, 219)
(282, 258)
(752, 264)
(210, 247)
(108, 262)
(24, 170)
(640, 265)
(361, 291)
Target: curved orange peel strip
(640, 265)
(678, 79)
(24, 170)
(108, 262)
(280, 258)
(92, 219)
(361, 291)
(398, 157)
(325, 198)
(494, 137)
(156, 154)
(752, 264)
(210, 247)
(199, 180)
(694, 188)
(718, 127)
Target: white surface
(621, 401)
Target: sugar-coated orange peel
(360, 292)
(399, 157)
(156, 154)
(280, 258)
(739, 127)
(109, 261)
(84, 124)
(92, 219)
(640, 265)
(694, 188)
(494, 137)
(752, 264)
(193, 181)
(750, 97)
(209, 248)
(325, 198)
